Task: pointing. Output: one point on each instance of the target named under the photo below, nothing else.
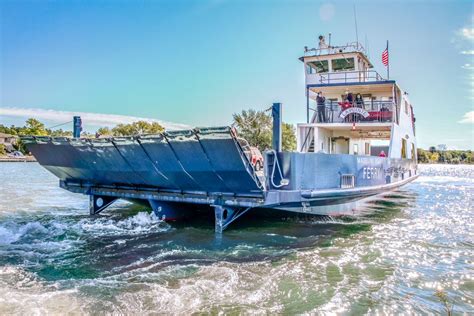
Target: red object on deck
(380, 115)
(345, 105)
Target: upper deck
(342, 73)
(338, 65)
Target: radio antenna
(355, 21)
(366, 46)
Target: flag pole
(388, 63)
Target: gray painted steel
(207, 161)
(277, 133)
(309, 171)
(208, 166)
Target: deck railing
(326, 50)
(367, 112)
(349, 77)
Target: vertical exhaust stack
(77, 127)
(277, 135)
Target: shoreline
(22, 159)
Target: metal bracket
(225, 215)
(167, 211)
(98, 203)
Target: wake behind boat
(358, 141)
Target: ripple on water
(392, 259)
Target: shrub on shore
(445, 156)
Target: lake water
(56, 259)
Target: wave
(141, 223)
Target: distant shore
(17, 159)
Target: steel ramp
(205, 161)
(227, 164)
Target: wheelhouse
(359, 112)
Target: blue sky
(197, 62)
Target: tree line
(445, 156)
(35, 127)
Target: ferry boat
(358, 141)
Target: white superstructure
(382, 121)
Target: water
(56, 259)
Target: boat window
(320, 66)
(367, 148)
(413, 152)
(404, 148)
(343, 64)
(356, 149)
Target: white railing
(349, 77)
(326, 50)
(374, 111)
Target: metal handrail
(309, 132)
(306, 139)
(334, 109)
(349, 47)
(350, 76)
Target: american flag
(385, 56)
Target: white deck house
(383, 121)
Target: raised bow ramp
(205, 166)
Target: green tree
(469, 158)
(447, 157)
(434, 157)
(422, 156)
(34, 127)
(256, 128)
(8, 130)
(3, 150)
(137, 128)
(104, 131)
(59, 133)
(288, 137)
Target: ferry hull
(209, 167)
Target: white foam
(140, 223)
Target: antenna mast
(366, 46)
(355, 21)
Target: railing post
(307, 105)
(77, 127)
(276, 114)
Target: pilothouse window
(319, 66)
(343, 64)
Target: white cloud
(464, 41)
(468, 33)
(468, 118)
(94, 119)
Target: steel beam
(225, 215)
(277, 135)
(169, 211)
